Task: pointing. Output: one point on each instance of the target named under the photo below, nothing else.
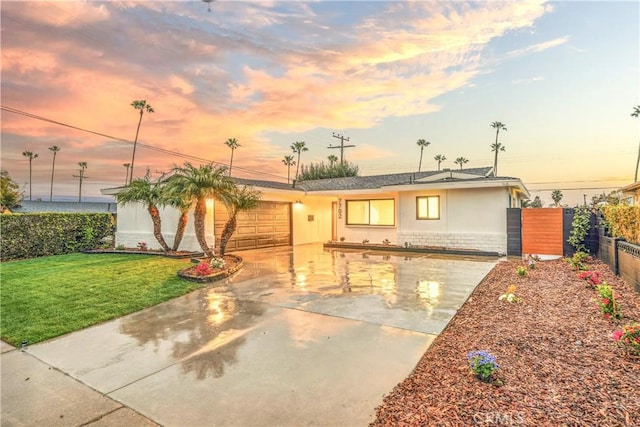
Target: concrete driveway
(301, 336)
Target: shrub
(217, 262)
(577, 260)
(41, 234)
(579, 228)
(482, 363)
(623, 221)
(607, 303)
(203, 269)
(628, 338)
(522, 271)
(592, 278)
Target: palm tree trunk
(53, 168)
(297, 167)
(30, 179)
(231, 162)
(199, 215)
(135, 142)
(635, 179)
(420, 164)
(288, 173)
(157, 227)
(182, 226)
(227, 232)
(495, 160)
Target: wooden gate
(542, 231)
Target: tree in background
(288, 161)
(636, 114)
(83, 168)
(54, 149)
(10, 196)
(142, 106)
(323, 171)
(536, 203)
(142, 190)
(199, 184)
(233, 144)
(237, 200)
(556, 196)
(30, 155)
(461, 161)
(332, 160)
(439, 158)
(298, 147)
(497, 147)
(422, 143)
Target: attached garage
(266, 226)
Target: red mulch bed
(558, 362)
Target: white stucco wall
(134, 225)
(358, 233)
(469, 219)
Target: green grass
(42, 298)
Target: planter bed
(233, 264)
(414, 249)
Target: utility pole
(83, 166)
(342, 139)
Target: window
(371, 212)
(428, 207)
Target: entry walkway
(301, 336)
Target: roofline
(630, 187)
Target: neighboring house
(27, 206)
(631, 193)
(454, 209)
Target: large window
(428, 207)
(371, 212)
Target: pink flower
(607, 316)
(617, 334)
(605, 301)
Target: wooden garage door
(267, 225)
(542, 231)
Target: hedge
(623, 221)
(41, 234)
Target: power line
(147, 146)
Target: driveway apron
(300, 336)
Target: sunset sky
(563, 76)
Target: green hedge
(623, 221)
(41, 234)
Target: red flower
(617, 335)
(607, 316)
(605, 301)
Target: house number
(339, 208)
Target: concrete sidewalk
(301, 336)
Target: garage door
(267, 225)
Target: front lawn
(42, 298)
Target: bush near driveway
(41, 234)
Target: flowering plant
(522, 271)
(365, 241)
(510, 295)
(531, 260)
(628, 338)
(217, 262)
(142, 246)
(607, 302)
(203, 268)
(482, 363)
(592, 278)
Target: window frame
(368, 201)
(427, 218)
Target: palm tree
(233, 144)
(556, 196)
(142, 106)
(198, 184)
(83, 167)
(439, 158)
(55, 150)
(141, 190)
(30, 155)
(636, 114)
(126, 178)
(332, 160)
(497, 146)
(298, 147)
(422, 144)
(288, 161)
(177, 200)
(461, 161)
(237, 200)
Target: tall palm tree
(298, 147)
(198, 184)
(332, 160)
(422, 143)
(439, 158)
(126, 178)
(142, 190)
(237, 200)
(233, 144)
(288, 161)
(83, 167)
(142, 106)
(636, 114)
(55, 150)
(461, 161)
(30, 155)
(497, 147)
